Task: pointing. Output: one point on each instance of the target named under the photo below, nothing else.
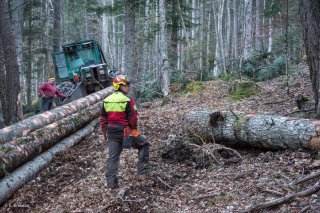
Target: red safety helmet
(120, 80)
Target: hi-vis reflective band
(116, 102)
(115, 107)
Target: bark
(28, 171)
(12, 78)
(173, 50)
(145, 45)
(129, 42)
(105, 34)
(38, 121)
(164, 49)
(2, 85)
(17, 22)
(259, 131)
(56, 25)
(310, 15)
(228, 32)
(22, 149)
(236, 32)
(259, 23)
(270, 33)
(247, 52)
(115, 42)
(220, 63)
(193, 19)
(29, 57)
(1, 116)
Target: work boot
(111, 186)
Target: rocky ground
(74, 182)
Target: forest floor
(74, 182)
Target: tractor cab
(82, 64)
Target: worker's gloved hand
(135, 133)
(43, 96)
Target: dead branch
(273, 192)
(284, 199)
(306, 178)
(162, 181)
(306, 110)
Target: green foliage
(262, 67)
(275, 69)
(244, 92)
(195, 86)
(33, 108)
(149, 93)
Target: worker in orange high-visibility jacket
(119, 123)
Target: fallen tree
(28, 171)
(260, 131)
(22, 149)
(38, 121)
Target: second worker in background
(118, 120)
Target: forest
(227, 93)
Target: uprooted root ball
(177, 150)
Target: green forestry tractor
(81, 69)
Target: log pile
(260, 131)
(38, 121)
(25, 141)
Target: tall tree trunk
(105, 34)
(129, 42)
(247, 52)
(1, 116)
(12, 89)
(220, 66)
(202, 40)
(270, 35)
(193, 19)
(145, 44)
(164, 49)
(310, 15)
(17, 22)
(115, 58)
(156, 47)
(56, 25)
(236, 32)
(2, 85)
(46, 65)
(173, 50)
(259, 23)
(29, 56)
(208, 52)
(228, 30)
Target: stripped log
(28, 171)
(25, 148)
(260, 131)
(38, 121)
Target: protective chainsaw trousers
(115, 149)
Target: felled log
(29, 170)
(38, 121)
(260, 131)
(25, 148)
